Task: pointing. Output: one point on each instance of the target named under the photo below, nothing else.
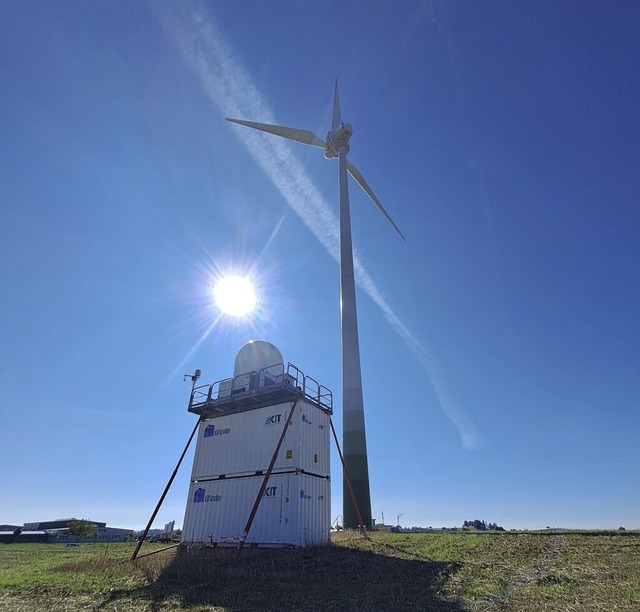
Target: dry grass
(487, 572)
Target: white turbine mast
(353, 432)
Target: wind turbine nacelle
(338, 139)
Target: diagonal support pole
(347, 481)
(164, 493)
(263, 486)
(159, 550)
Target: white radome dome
(256, 355)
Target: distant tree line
(481, 525)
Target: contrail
(230, 87)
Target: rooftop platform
(269, 386)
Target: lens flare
(235, 295)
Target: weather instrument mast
(353, 431)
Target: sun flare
(235, 295)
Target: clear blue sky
(500, 344)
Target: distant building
(102, 535)
(57, 531)
(24, 537)
(57, 524)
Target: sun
(235, 295)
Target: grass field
(579, 571)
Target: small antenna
(194, 377)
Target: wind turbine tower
(354, 443)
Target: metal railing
(223, 393)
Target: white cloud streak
(231, 88)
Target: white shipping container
(243, 443)
(294, 511)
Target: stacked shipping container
(233, 453)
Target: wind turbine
(353, 432)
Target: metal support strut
(164, 493)
(363, 531)
(263, 486)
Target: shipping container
(243, 443)
(294, 511)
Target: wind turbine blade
(355, 173)
(302, 136)
(335, 122)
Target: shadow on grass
(327, 578)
